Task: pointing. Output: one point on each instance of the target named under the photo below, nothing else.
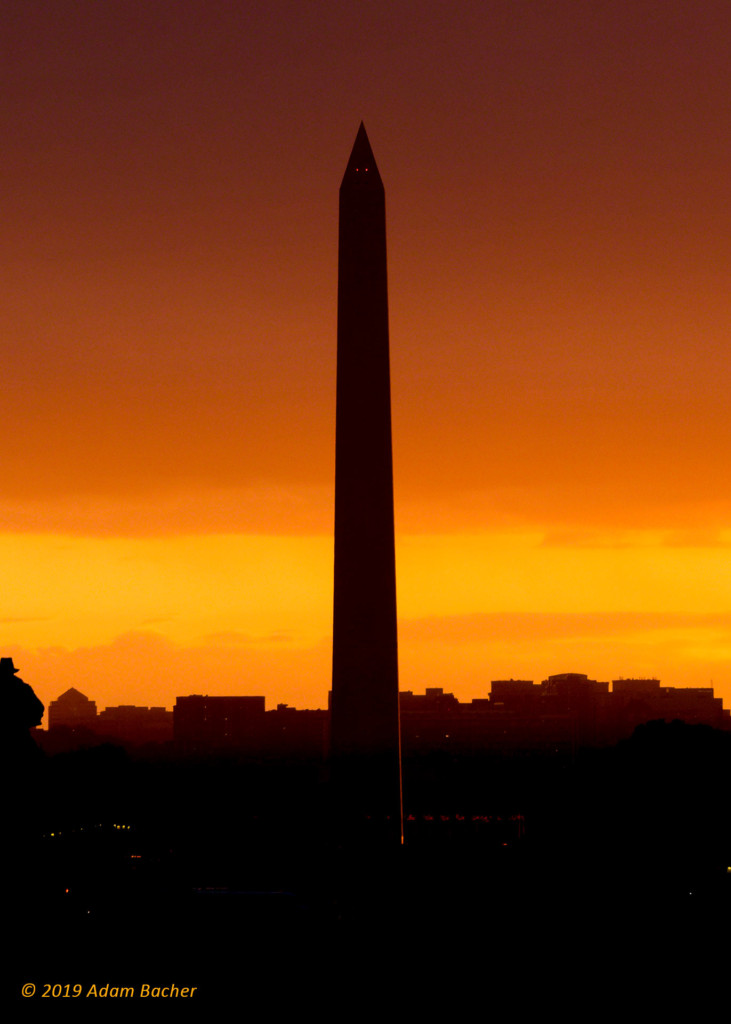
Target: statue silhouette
(21, 710)
(23, 761)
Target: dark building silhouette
(73, 722)
(72, 709)
(291, 732)
(637, 701)
(132, 725)
(365, 711)
(242, 726)
(204, 724)
(562, 714)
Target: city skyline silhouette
(563, 713)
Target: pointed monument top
(361, 169)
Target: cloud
(581, 537)
(146, 668)
(263, 509)
(14, 620)
(698, 538)
(533, 626)
(232, 637)
(597, 538)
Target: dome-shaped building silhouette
(72, 709)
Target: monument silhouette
(365, 741)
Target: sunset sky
(559, 230)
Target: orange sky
(559, 242)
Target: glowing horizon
(243, 612)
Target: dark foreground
(524, 889)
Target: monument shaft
(365, 710)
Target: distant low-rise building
(290, 732)
(243, 725)
(73, 710)
(202, 724)
(563, 713)
(130, 724)
(636, 701)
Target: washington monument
(365, 704)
